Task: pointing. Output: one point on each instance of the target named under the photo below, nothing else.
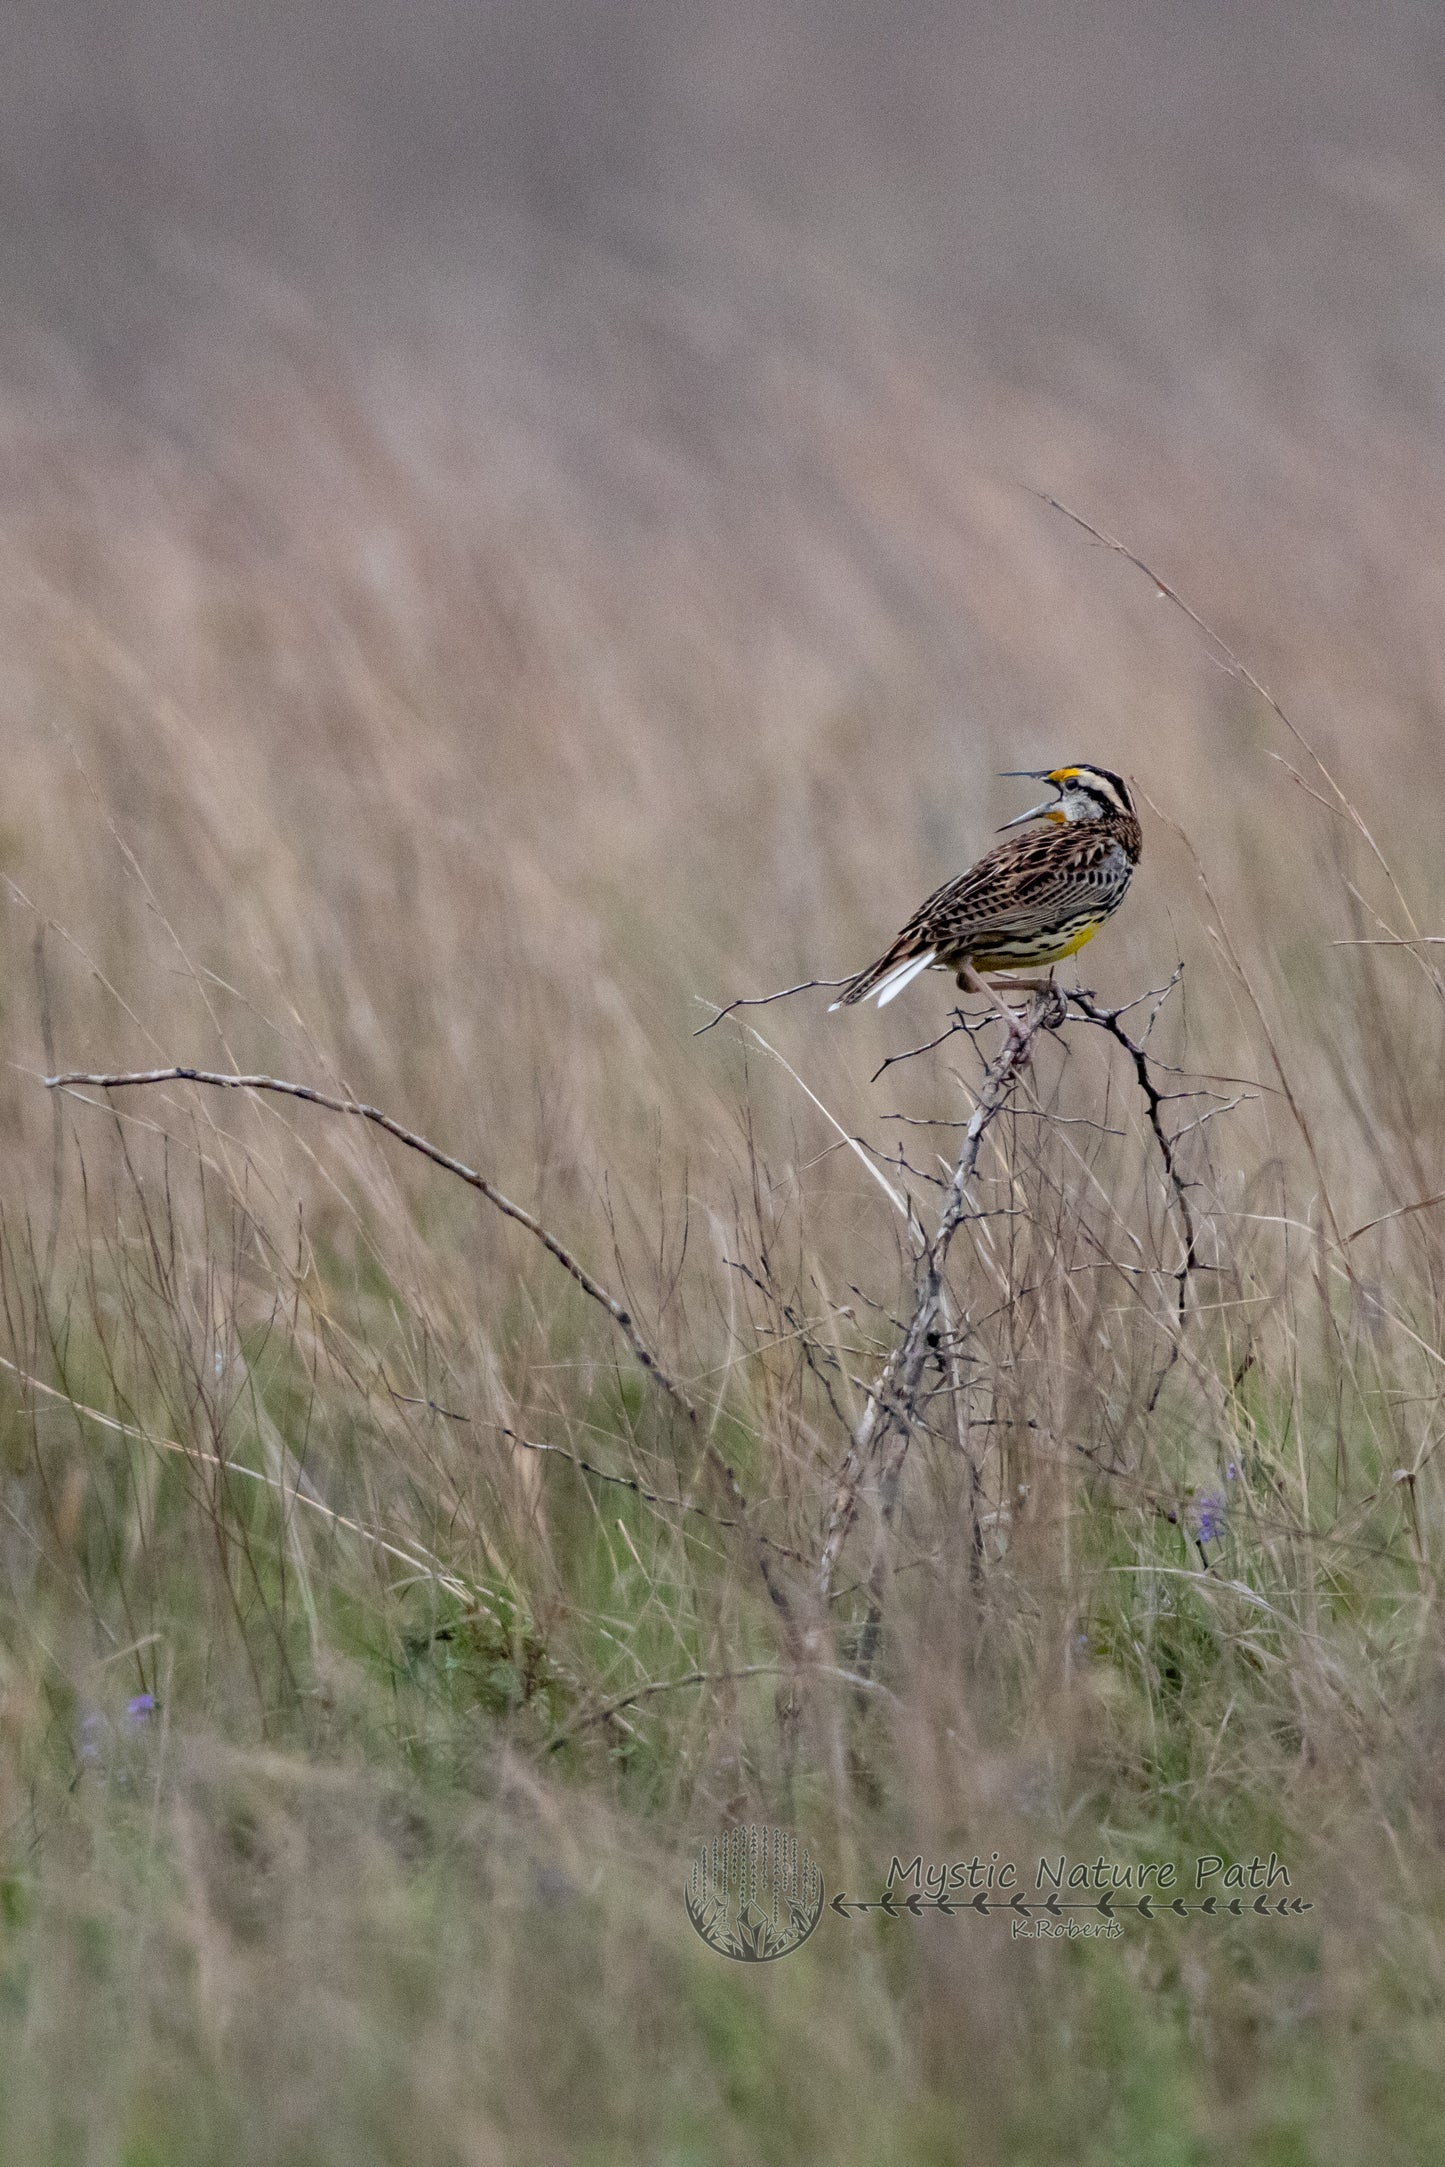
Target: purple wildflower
(101, 1738)
(1209, 1516)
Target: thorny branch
(896, 1403)
(620, 1316)
(1107, 1020)
(883, 1429)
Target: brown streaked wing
(1011, 885)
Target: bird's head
(1084, 793)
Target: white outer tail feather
(902, 975)
(905, 974)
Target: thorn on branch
(959, 1022)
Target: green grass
(339, 1897)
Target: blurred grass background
(516, 527)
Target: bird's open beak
(1034, 774)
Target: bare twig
(621, 1317)
(700, 1677)
(600, 1474)
(764, 1000)
(1107, 1020)
(649, 1497)
(959, 1023)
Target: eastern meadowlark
(1030, 901)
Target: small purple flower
(1209, 1516)
(1230, 1472)
(101, 1738)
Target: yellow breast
(1022, 953)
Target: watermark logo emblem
(754, 1894)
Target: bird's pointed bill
(1033, 775)
(1035, 812)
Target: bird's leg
(1058, 1007)
(973, 981)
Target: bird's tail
(887, 977)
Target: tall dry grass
(453, 717)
